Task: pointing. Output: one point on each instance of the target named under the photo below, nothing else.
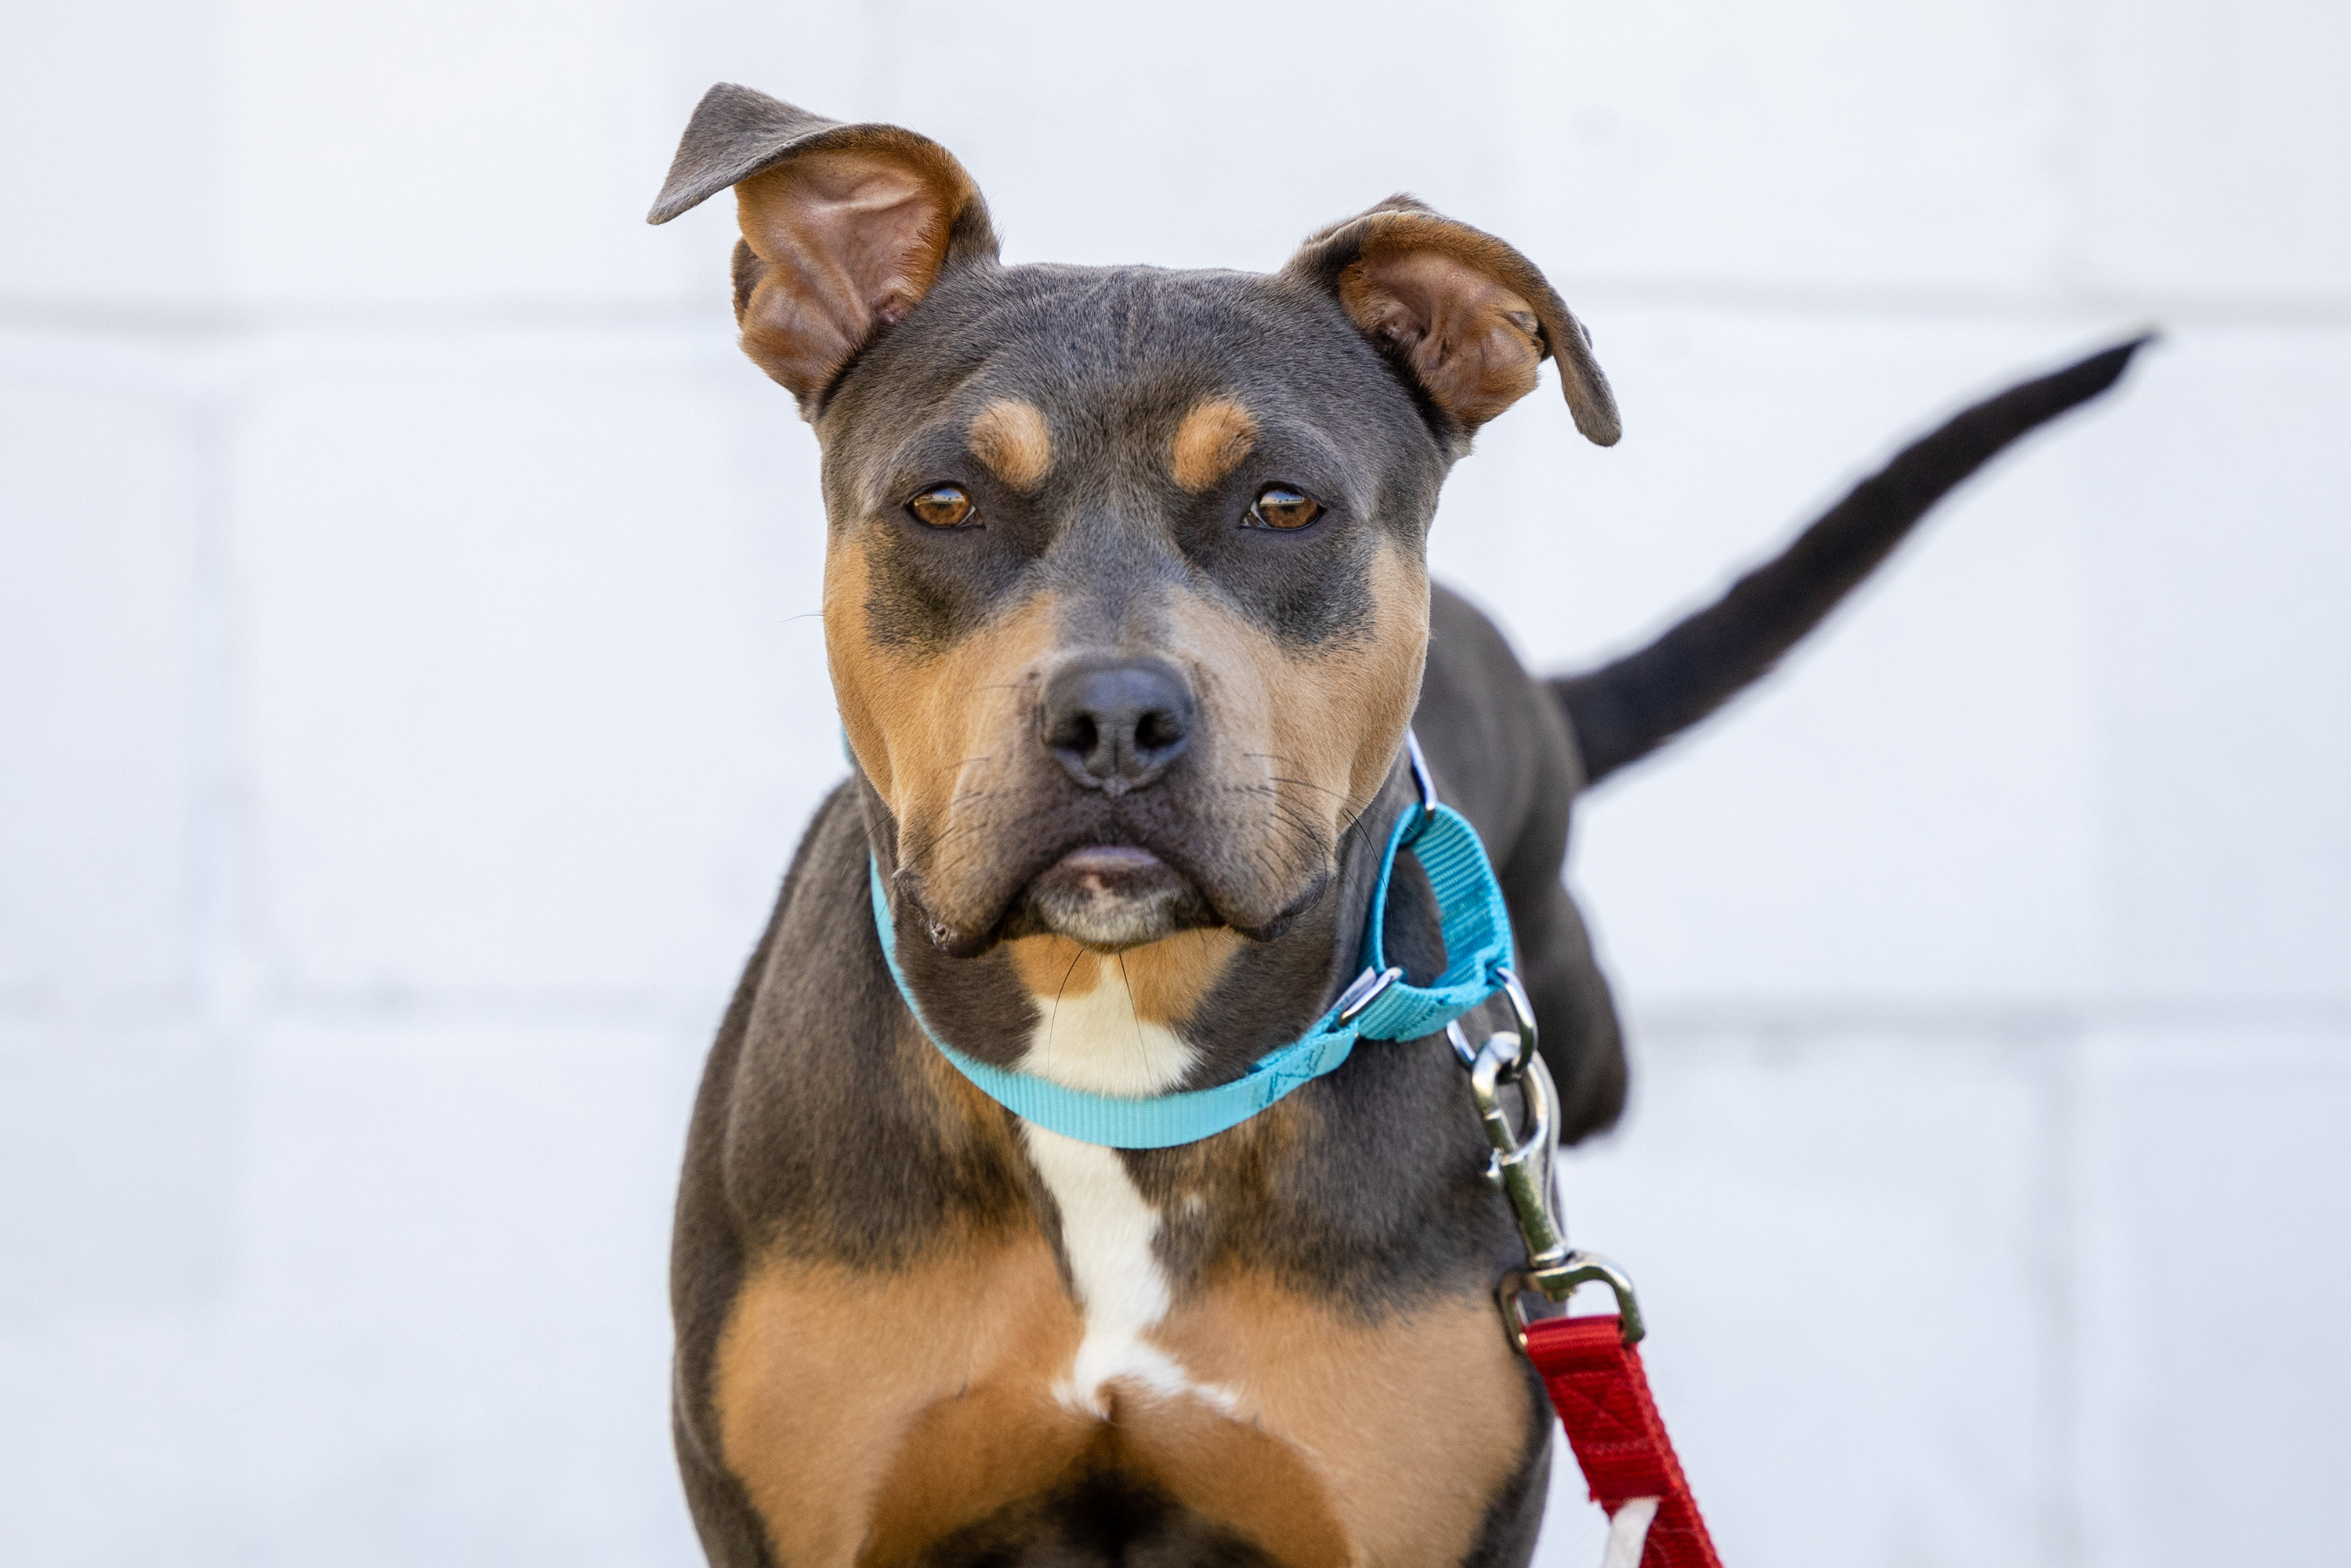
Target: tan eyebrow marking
(1212, 439)
(1010, 436)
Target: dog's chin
(1112, 896)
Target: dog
(1128, 620)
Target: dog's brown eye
(1280, 507)
(946, 506)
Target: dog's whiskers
(1135, 1014)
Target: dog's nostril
(1116, 724)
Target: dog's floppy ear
(1466, 314)
(845, 227)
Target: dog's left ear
(845, 227)
(1468, 316)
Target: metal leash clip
(1522, 1167)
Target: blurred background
(409, 694)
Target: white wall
(410, 698)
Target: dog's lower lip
(1112, 896)
(1112, 860)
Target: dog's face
(1124, 595)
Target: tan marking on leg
(968, 1457)
(1212, 439)
(1010, 436)
(823, 1373)
(1410, 1424)
(1249, 1480)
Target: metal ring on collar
(1422, 778)
(1525, 1011)
(1520, 1005)
(1560, 1282)
(1364, 990)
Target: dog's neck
(1190, 1011)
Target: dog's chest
(1097, 1041)
(873, 1418)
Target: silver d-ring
(1560, 1282)
(1365, 989)
(1421, 777)
(1525, 1011)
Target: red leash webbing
(1602, 1395)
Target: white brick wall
(411, 698)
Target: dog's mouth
(1109, 897)
(1108, 881)
(1112, 897)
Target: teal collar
(1379, 1004)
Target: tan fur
(823, 1373)
(932, 731)
(869, 1416)
(989, 1447)
(1257, 1482)
(1167, 979)
(846, 237)
(1445, 319)
(1214, 435)
(1052, 967)
(1408, 1424)
(1010, 436)
(1314, 733)
(969, 1455)
(1473, 341)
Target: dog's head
(1126, 596)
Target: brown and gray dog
(1127, 612)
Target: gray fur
(735, 133)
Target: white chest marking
(1096, 1042)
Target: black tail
(1627, 708)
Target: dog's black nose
(1116, 724)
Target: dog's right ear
(845, 227)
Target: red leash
(1602, 1395)
(1589, 1365)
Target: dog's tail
(1628, 707)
